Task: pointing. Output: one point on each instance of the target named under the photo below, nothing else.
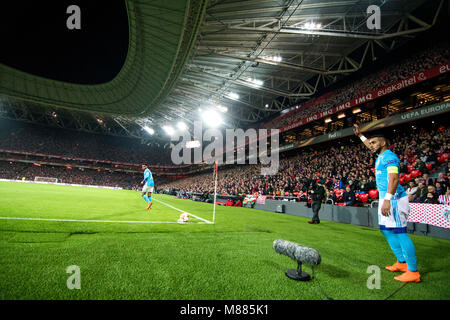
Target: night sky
(35, 39)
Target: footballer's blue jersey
(148, 178)
(386, 160)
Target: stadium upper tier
(390, 74)
(51, 141)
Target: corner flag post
(215, 189)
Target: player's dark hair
(380, 135)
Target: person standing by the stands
(393, 208)
(317, 195)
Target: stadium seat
(443, 158)
(373, 194)
(364, 197)
(408, 177)
(415, 174)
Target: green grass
(232, 259)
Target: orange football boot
(409, 276)
(149, 205)
(403, 267)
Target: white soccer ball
(184, 218)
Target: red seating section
(408, 177)
(415, 173)
(364, 197)
(373, 194)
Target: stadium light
(169, 130)
(273, 58)
(212, 118)
(357, 110)
(149, 130)
(221, 108)
(233, 95)
(256, 82)
(181, 125)
(312, 26)
(341, 115)
(327, 120)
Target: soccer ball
(184, 218)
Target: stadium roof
(254, 57)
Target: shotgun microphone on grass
(300, 254)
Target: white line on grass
(73, 220)
(206, 221)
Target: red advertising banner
(435, 214)
(391, 88)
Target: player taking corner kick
(149, 184)
(393, 207)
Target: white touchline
(183, 211)
(73, 220)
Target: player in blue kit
(149, 184)
(393, 207)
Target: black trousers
(315, 208)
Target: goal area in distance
(46, 179)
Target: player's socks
(409, 251)
(395, 245)
(145, 198)
(149, 202)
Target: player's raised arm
(357, 132)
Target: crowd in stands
(345, 169)
(390, 74)
(53, 141)
(28, 171)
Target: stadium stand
(53, 141)
(390, 74)
(338, 165)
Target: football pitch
(124, 251)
